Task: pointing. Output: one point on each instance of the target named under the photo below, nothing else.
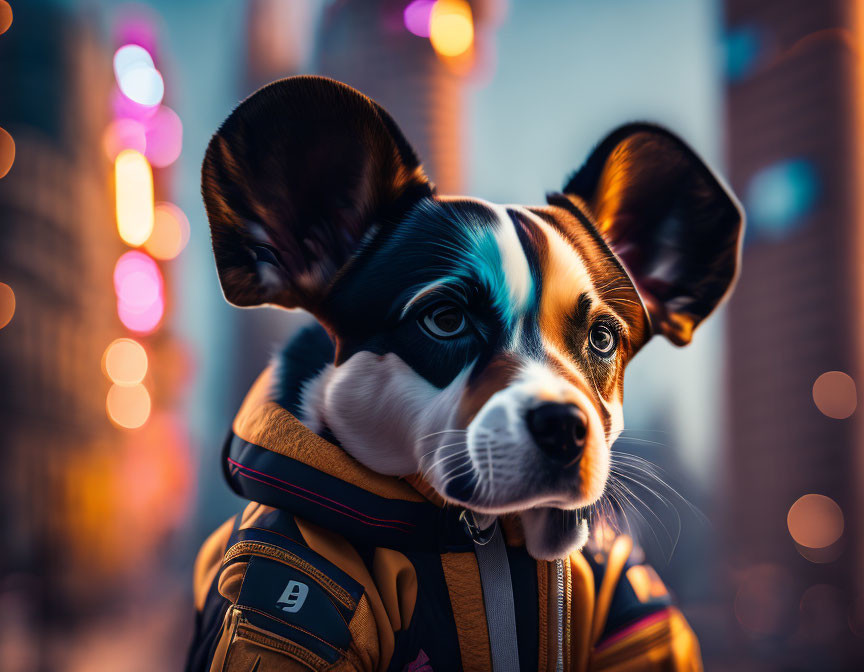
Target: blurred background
(122, 365)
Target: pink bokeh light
(144, 321)
(125, 108)
(164, 135)
(140, 292)
(417, 15)
(137, 24)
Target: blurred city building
(89, 507)
(56, 255)
(792, 96)
(367, 45)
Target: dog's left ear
(295, 182)
(667, 217)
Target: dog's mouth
(500, 485)
(553, 503)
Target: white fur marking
(513, 261)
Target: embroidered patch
(283, 600)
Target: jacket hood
(272, 458)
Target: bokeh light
(7, 304)
(815, 521)
(7, 152)
(143, 86)
(417, 16)
(128, 406)
(141, 321)
(766, 600)
(164, 137)
(744, 46)
(124, 134)
(131, 56)
(821, 556)
(835, 395)
(170, 232)
(137, 280)
(134, 184)
(5, 16)
(779, 196)
(140, 292)
(451, 27)
(125, 362)
(137, 77)
(129, 109)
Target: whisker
(443, 431)
(461, 454)
(653, 477)
(636, 439)
(448, 445)
(646, 431)
(628, 496)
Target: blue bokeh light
(744, 47)
(779, 197)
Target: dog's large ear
(295, 181)
(667, 217)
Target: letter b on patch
(293, 597)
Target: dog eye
(265, 253)
(602, 340)
(444, 321)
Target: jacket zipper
(559, 579)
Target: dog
(476, 348)
(481, 345)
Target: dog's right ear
(300, 175)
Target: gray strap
(498, 599)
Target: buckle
(479, 536)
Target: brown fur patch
(495, 376)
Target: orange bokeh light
(170, 232)
(125, 362)
(128, 406)
(7, 152)
(451, 27)
(815, 521)
(5, 16)
(835, 395)
(7, 304)
(134, 192)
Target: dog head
(480, 345)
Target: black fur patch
(302, 359)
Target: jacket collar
(272, 458)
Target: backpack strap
(498, 601)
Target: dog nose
(559, 430)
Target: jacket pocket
(244, 647)
(285, 612)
